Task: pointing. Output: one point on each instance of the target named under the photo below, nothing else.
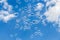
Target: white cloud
(53, 13)
(49, 3)
(7, 6)
(1, 1)
(39, 6)
(6, 16)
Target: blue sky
(29, 20)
